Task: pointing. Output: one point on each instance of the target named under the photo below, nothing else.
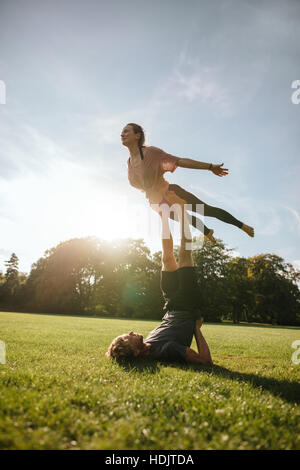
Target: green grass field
(58, 391)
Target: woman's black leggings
(209, 211)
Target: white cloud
(205, 86)
(201, 191)
(296, 217)
(191, 82)
(4, 252)
(26, 150)
(269, 221)
(223, 86)
(235, 254)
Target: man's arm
(194, 357)
(195, 165)
(203, 356)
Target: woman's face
(128, 137)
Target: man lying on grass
(171, 340)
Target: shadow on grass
(284, 389)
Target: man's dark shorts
(169, 340)
(181, 291)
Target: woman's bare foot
(249, 230)
(210, 237)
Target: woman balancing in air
(146, 167)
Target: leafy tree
(88, 275)
(12, 273)
(11, 283)
(240, 289)
(122, 278)
(211, 262)
(276, 293)
(64, 279)
(137, 274)
(2, 281)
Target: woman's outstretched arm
(195, 165)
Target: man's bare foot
(249, 230)
(210, 237)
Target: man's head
(128, 346)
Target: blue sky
(207, 80)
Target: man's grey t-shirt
(170, 339)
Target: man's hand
(217, 170)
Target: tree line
(122, 279)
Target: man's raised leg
(185, 251)
(186, 259)
(168, 258)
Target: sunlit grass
(58, 391)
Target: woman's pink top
(147, 174)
